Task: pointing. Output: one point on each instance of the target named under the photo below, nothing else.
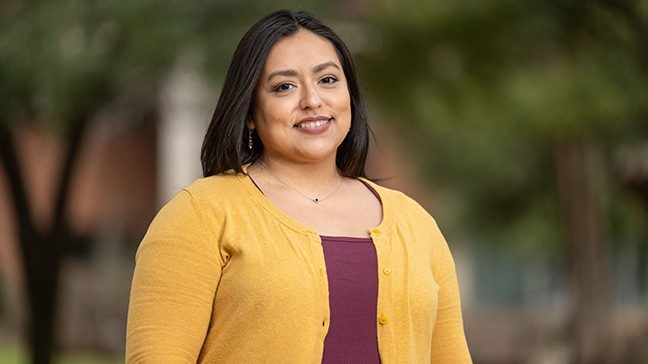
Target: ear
(250, 124)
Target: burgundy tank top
(352, 271)
(352, 267)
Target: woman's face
(302, 108)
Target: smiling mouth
(313, 124)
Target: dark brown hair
(225, 144)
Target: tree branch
(9, 160)
(74, 141)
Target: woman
(285, 252)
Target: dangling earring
(249, 139)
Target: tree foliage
(486, 90)
(64, 58)
(61, 63)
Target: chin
(318, 154)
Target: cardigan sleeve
(177, 270)
(448, 338)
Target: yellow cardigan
(223, 275)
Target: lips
(314, 125)
(313, 122)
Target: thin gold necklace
(315, 200)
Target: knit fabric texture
(223, 275)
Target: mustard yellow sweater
(224, 276)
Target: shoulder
(195, 212)
(410, 214)
(203, 201)
(217, 187)
(400, 202)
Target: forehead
(303, 49)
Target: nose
(310, 98)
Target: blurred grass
(12, 353)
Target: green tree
(517, 107)
(61, 63)
(64, 61)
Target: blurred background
(522, 126)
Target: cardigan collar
(381, 229)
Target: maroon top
(352, 269)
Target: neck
(313, 178)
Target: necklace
(315, 200)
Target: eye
(329, 80)
(283, 87)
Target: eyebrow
(293, 73)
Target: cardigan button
(387, 271)
(376, 231)
(383, 320)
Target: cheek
(344, 106)
(339, 100)
(263, 118)
(273, 111)
(345, 101)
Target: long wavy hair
(225, 145)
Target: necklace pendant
(316, 200)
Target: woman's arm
(176, 273)
(448, 339)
